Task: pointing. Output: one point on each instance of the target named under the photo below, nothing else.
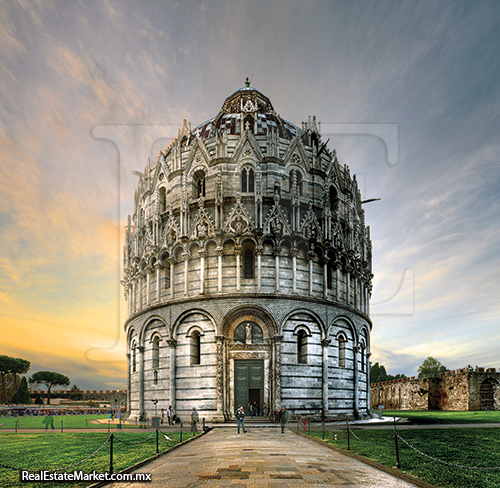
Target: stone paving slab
(261, 458)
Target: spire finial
(247, 82)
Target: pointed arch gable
(247, 138)
(296, 146)
(197, 149)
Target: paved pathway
(261, 458)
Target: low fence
(347, 432)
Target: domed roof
(235, 109)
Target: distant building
(247, 271)
(455, 390)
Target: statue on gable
(311, 232)
(201, 229)
(238, 226)
(171, 237)
(277, 227)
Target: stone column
(129, 381)
(355, 351)
(202, 254)
(347, 286)
(277, 370)
(277, 252)
(237, 252)
(258, 251)
(172, 277)
(132, 301)
(311, 257)
(294, 253)
(325, 343)
(141, 378)
(139, 283)
(172, 344)
(148, 286)
(220, 252)
(186, 257)
(158, 267)
(219, 416)
(337, 280)
(368, 405)
(325, 277)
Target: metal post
(62, 426)
(157, 450)
(348, 438)
(323, 438)
(203, 424)
(181, 434)
(398, 465)
(111, 453)
(15, 425)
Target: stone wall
(459, 390)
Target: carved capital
(259, 250)
(356, 349)
(326, 342)
(202, 253)
(141, 349)
(219, 251)
(172, 343)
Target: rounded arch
(303, 328)
(179, 319)
(365, 334)
(132, 335)
(342, 322)
(316, 317)
(150, 322)
(249, 313)
(211, 243)
(195, 329)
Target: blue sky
(430, 68)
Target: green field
(55, 450)
(442, 417)
(476, 447)
(69, 422)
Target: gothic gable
(198, 156)
(276, 222)
(310, 228)
(247, 148)
(238, 222)
(296, 154)
(202, 227)
(171, 229)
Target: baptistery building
(247, 272)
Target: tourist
(264, 410)
(169, 414)
(240, 416)
(48, 420)
(195, 418)
(283, 417)
(162, 415)
(250, 411)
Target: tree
(19, 366)
(378, 373)
(49, 379)
(6, 366)
(431, 367)
(22, 394)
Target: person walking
(283, 417)
(240, 416)
(169, 414)
(195, 418)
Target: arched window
(248, 268)
(342, 347)
(156, 377)
(299, 183)
(199, 184)
(247, 180)
(134, 357)
(363, 357)
(251, 181)
(195, 340)
(333, 199)
(163, 199)
(156, 352)
(302, 347)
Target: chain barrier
(391, 436)
(59, 469)
(134, 443)
(444, 462)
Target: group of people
(280, 416)
(172, 417)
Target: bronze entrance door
(248, 382)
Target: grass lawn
(55, 450)
(69, 422)
(479, 447)
(442, 417)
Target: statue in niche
(171, 237)
(248, 333)
(202, 230)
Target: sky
(406, 91)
